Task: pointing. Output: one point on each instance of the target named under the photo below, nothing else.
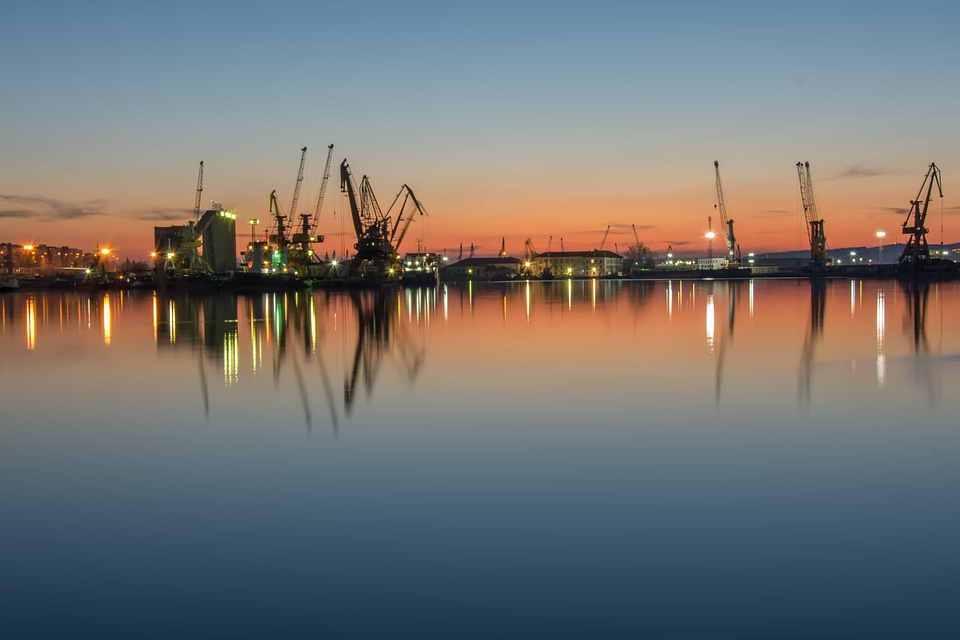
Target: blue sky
(516, 119)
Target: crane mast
(733, 249)
(818, 241)
(917, 253)
(605, 234)
(296, 189)
(196, 204)
(323, 190)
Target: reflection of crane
(733, 249)
(917, 254)
(733, 292)
(196, 204)
(818, 241)
(818, 304)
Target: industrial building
(575, 264)
(495, 268)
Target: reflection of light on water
(853, 297)
(313, 326)
(569, 294)
(710, 322)
(172, 320)
(231, 358)
(156, 317)
(751, 297)
(446, 304)
(881, 324)
(670, 299)
(256, 348)
(107, 325)
(593, 294)
(527, 296)
(31, 324)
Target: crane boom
(605, 234)
(323, 190)
(733, 250)
(196, 204)
(917, 252)
(818, 241)
(296, 189)
(405, 215)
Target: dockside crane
(296, 188)
(605, 234)
(916, 254)
(734, 257)
(323, 190)
(818, 241)
(196, 204)
(405, 214)
(376, 256)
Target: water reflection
(726, 340)
(293, 329)
(818, 305)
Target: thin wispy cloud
(859, 171)
(48, 209)
(163, 215)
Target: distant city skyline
(509, 120)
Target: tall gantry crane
(296, 188)
(605, 234)
(818, 241)
(733, 249)
(323, 190)
(196, 204)
(917, 254)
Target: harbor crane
(409, 206)
(296, 188)
(605, 234)
(734, 257)
(916, 254)
(818, 241)
(376, 255)
(323, 190)
(196, 204)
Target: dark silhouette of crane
(375, 255)
(196, 204)
(605, 234)
(733, 249)
(818, 241)
(916, 254)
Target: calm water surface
(678, 459)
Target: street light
(880, 237)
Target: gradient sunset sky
(508, 119)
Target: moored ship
(420, 268)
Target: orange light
(28, 247)
(105, 252)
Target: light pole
(880, 237)
(253, 229)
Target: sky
(509, 120)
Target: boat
(9, 283)
(420, 268)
